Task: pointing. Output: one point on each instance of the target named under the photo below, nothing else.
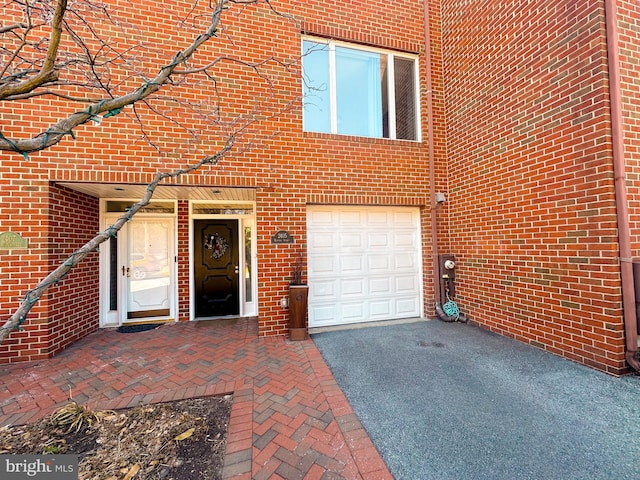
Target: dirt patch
(181, 440)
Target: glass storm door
(216, 268)
(147, 269)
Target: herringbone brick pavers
(289, 417)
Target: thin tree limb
(113, 104)
(65, 126)
(48, 72)
(15, 26)
(32, 296)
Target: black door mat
(138, 328)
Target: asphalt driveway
(452, 401)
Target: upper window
(351, 90)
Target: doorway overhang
(165, 192)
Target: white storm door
(364, 264)
(147, 269)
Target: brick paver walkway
(289, 418)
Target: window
(351, 90)
(221, 209)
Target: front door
(216, 268)
(147, 268)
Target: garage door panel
(351, 263)
(379, 263)
(404, 239)
(364, 264)
(325, 289)
(406, 306)
(353, 312)
(405, 262)
(321, 266)
(403, 218)
(348, 218)
(324, 315)
(322, 240)
(352, 287)
(405, 284)
(380, 286)
(380, 309)
(379, 240)
(378, 217)
(321, 217)
(351, 240)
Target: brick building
(533, 214)
(505, 108)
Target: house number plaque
(282, 237)
(10, 240)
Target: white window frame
(391, 55)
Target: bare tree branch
(52, 93)
(47, 73)
(32, 296)
(15, 26)
(56, 133)
(33, 77)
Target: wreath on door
(217, 244)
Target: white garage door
(364, 264)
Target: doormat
(138, 328)
(223, 322)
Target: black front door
(216, 268)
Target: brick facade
(72, 303)
(532, 207)
(629, 42)
(521, 139)
(287, 168)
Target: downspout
(432, 173)
(622, 203)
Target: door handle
(236, 270)
(126, 271)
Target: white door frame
(115, 317)
(248, 289)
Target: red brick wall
(524, 158)
(56, 222)
(73, 303)
(531, 200)
(287, 167)
(23, 199)
(183, 260)
(629, 42)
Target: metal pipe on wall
(431, 154)
(433, 203)
(622, 202)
